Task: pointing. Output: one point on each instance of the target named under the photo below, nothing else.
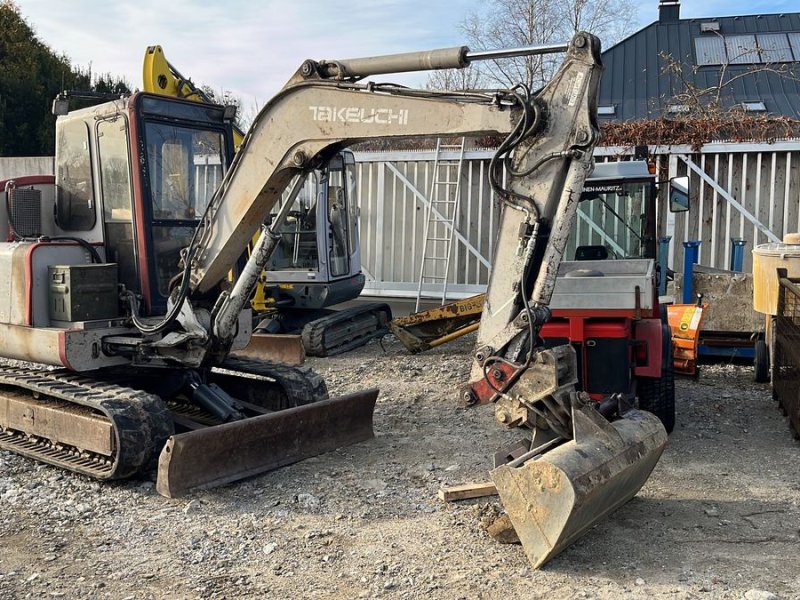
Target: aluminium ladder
(440, 219)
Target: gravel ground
(719, 517)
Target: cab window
(75, 205)
(297, 249)
(185, 166)
(115, 187)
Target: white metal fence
(747, 191)
(393, 190)
(26, 165)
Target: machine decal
(576, 89)
(352, 114)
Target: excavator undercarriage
(113, 424)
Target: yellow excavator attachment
(430, 328)
(555, 497)
(214, 456)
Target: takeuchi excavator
(316, 265)
(138, 288)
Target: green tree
(31, 75)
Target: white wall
(25, 165)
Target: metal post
(663, 257)
(690, 251)
(737, 254)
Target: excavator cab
(316, 263)
(135, 177)
(186, 150)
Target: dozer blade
(553, 499)
(280, 347)
(221, 454)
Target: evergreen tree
(31, 75)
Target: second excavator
(138, 289)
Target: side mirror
(679, 194)
(230, 112)
(60, 105)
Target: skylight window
(607, 111)
(678, 108)
(754, 107)
(709, 26)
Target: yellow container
(767, 259)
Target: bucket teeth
(555, 498)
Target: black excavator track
(279, 386)
(36, 404)
(346, 329)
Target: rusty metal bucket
(225, 453)
(554, 498)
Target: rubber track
(298, 384)
(346, 329)
(140, 421)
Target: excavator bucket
(283, 348)
(217, 455)
(557, 496)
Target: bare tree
(513, 23)
(456, 80)
(610, 20)
(712, 97)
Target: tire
(761, 362)
(657, 395)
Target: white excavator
(138, 287)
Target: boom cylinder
(428, 60)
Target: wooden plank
(450, 493)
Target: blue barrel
(691, 250)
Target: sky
(251, 47)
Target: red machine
(605, 302)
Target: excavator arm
(546, 156)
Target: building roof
(757, 56)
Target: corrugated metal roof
(638, 85)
